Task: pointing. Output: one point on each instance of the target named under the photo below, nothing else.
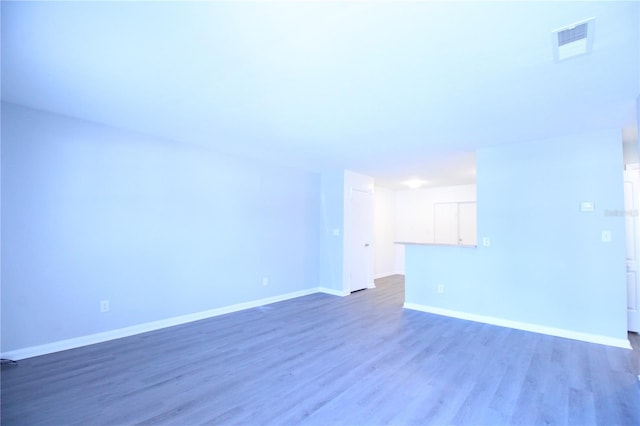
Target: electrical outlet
(440, 288)
(265, 281)
(104, 306)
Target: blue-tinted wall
(158, 228)
(332, 230)
(547, 264)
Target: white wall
(407, 215)
(414, 209)
(161, 229)
(384, 233)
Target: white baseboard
(382, 275)
(552, 331)
(91, 339)
(332, 291)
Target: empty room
(320, 212)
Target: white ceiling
(391, 89)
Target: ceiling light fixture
(415, 183)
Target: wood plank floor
(325, 360)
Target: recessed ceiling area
(394, 90)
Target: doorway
(631, 204)
(360, 241)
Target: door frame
(348, 233)
(632, 174)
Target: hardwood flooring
(325, 360)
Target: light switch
(587, 206)
(606, 236)
(486, 241)
(336, 232)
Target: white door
(631, 188)
(360, 249)
(445, 223)
(467, 232)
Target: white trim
(333, 292)
(383, 275)
(91, 339)
(552, 331)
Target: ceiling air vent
(573, 40)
